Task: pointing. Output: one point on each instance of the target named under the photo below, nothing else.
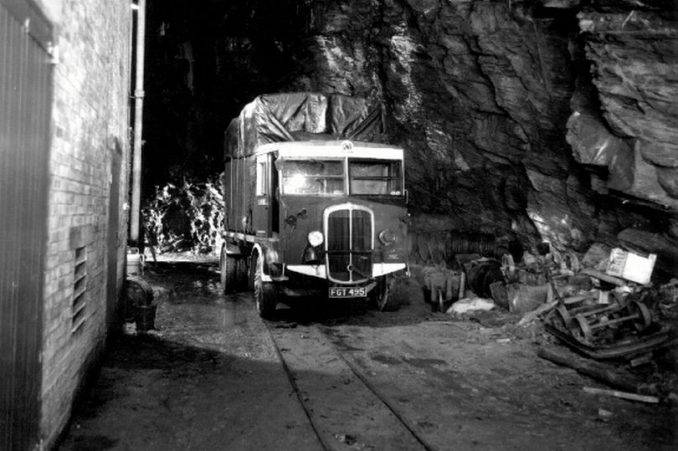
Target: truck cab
(325, 218)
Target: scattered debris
(441, 286)
(525, 298)
(604, 277)
(667, 300)
(139, 307)
(604, 414)
(610, 324)
(642, 360)
(470, 304)
(610, 315)
(596, 256)
(536, 313)
(603, 305)
(346, 438)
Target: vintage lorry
(315, 205)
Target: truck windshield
(313, 177)
(375, 177)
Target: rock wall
(503, 106)
(628, 123)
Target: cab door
(262, 211)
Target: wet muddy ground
(213, 376)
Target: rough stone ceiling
(551, 120)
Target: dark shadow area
(203, 63)
(206, 268)
(156, 394)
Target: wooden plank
(599, 371)
(623, 395)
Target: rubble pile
(604, 305)
(607, 306)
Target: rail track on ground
(346, 410)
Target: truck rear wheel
(228, 269)
(265, 293)
(241, 274)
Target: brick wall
(90, 124)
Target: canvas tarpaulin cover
(302, 116)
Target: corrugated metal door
(25, 104)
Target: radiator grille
(349, 245)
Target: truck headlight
(311, 257)
(315, 238)
(387, 237)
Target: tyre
(241, 274)
(383, 294)
(265, 293)
(427, 295)
(228, 268)
(251, 271)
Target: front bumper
(320, 271)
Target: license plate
(348, 292)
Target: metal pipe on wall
(135, 212)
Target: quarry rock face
(546, 119)
(634, 60)
(551, 120)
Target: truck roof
(301, 116)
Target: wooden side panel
(239, 189)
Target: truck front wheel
(228, 267)
(265, 293)
(382, 294)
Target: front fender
(271, 257)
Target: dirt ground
(210, 377)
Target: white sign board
(630, 266)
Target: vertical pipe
(138, 117)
